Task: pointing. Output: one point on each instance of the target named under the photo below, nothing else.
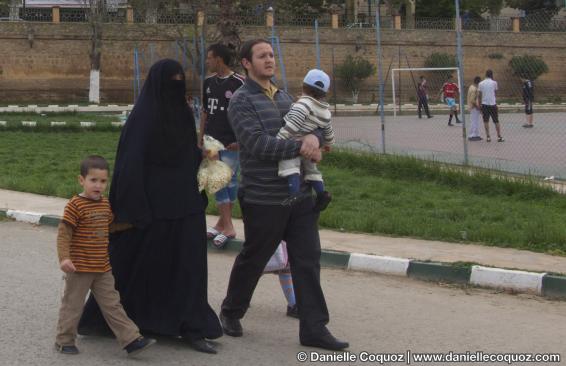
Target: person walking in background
(422, 95)
(450, 92)
(528, 99)
(475, 111)
(217, 92)
(488, 88)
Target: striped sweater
(306, 116)
(89, 221)
(256, 120)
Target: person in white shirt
(487, 89)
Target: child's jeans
(293, 166)
(228, 194)
(101, 284)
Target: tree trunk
(96, 18)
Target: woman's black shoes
(202, 345)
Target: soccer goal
(443, 71)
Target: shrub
(437, 59)
(528, 67)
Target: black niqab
(157, 158)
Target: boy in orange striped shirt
(82, 247)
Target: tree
(528, 67)
(538, 13)
(96, 11)
(438, 59)
(353, 71)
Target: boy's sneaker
(67, 350)
(500, 139)
(139, 345)
(322, 201)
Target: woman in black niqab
(160, 265)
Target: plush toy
(213, 174)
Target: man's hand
(310, 147)
(233, 147)
(67, 266)
(326, 148)
(200, 142)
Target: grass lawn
(372, 193)
(103, 120)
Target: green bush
(353, 71)
(528, 67)
(438, 59)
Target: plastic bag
(279, 260)
(213, 174)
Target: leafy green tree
(528, 67)
(440, 59)
(353, 71)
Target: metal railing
(534, 22)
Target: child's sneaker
(67, 350)
(322, 201)
(139, 345)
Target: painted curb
(29, 217)
(439, 272)
(379, 264)
(507, 279)
(552, 286)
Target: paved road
(539, 150)
(375, 313)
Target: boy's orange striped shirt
(90, 220)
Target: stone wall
(45, 62)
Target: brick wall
(54, 66)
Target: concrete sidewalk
(422, 250)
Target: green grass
(379, 194)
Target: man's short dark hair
(222, 51)
(313, 92)
(246, 49)
(489, 74)
(421, 77)
(93, 162)
(449, 77)
(477, 80)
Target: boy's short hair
(93, 162)
(222, 51)
(477, 80)
(313, 92)
(489, 74)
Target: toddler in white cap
(306, 115)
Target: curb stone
(544, 284)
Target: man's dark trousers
(264, 227)
(423, 102)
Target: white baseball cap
(317, 79)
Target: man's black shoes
(327, 341)
(231, 326)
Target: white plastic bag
(213, 174)
(279, 260)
